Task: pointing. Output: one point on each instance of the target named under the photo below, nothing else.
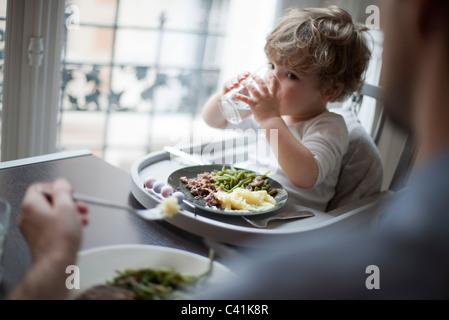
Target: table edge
(45, 158)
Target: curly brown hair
(325, 42)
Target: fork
(148, 214)
(263, 223)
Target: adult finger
(62, 194)
(83, 211)
(84, 220)
(35, 199)
(82, 207)
(34, 203)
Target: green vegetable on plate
(160, 284)
(230, 178)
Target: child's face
(300, 97)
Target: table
(93, 176)
(88, 175)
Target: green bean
(230, 178)
(240, 184)
(240, 174)
(246, 181)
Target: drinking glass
(235, 110)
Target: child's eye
(271, 66)
(291, 76)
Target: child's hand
(263, 101)
(234, 82)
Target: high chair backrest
(407, 155)
(362, 169)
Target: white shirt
(326, 136)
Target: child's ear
(329, 95)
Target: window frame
(31, 83)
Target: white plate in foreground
(99, 265)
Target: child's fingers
(255, 92)
(243, 76)
(263, 88)
(249, 88)
(229, 86)
(235, 82)
(243, 98)
(273, 84)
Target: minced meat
(203, 187)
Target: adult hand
(52, 225)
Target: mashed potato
(169, 207)
(245, 200)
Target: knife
(183, 155)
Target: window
(133, 74)
(136, 73)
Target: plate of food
(228, 190)
(144, 272)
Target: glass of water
(5, 211)
(235, 110)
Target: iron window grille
(193, 83)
